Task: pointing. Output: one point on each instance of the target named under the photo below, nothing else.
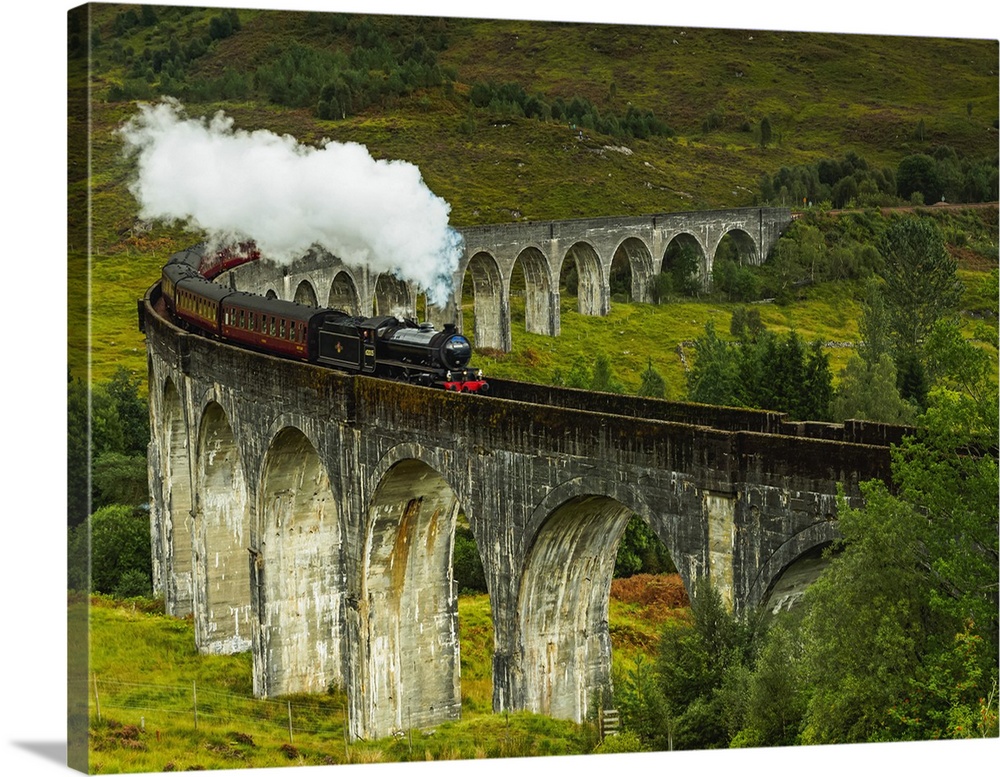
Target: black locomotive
(382, 346)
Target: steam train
(382, 346)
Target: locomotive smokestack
(231, 184)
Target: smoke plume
(231, 185)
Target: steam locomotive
(382, 346)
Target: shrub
(120, 555)
(466, 563)
(625, 742)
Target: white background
(33, 373)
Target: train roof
(178, 271)
(190, 257)
(274, 307)
(207, 289)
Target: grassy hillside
(824, 95)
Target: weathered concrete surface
(313, 514)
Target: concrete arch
(592, 287)
(298, 572)
(178, 525)
(393, 297)
(492, 310)
(641, 266)
(789, 587)
(563, 607)
(539, 301)
(746, 247)
(222, 534)
(344, 293)
(685, 241)
(305, 294)
(271, 294)
(802, 544)
(408, 607)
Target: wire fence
(197, 705)
(317, 723)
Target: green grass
(639, 333)
(147, 679)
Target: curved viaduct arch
(297, 570)
(344, 293)
(746, 247)
(397, 508)
(592, 286)
(408, 606)
(562, 609)
(392, 297)
(639, 257)
(685, 241)
(178, 525)
(490, 302)
(305, 294)
(539, 301)
(222, 530)
(794, 549)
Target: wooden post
(97, 699)
(347, 752)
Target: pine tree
(652, 383)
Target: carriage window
(274, 327)
(243, 319)
(282, 330)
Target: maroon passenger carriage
(382, 346)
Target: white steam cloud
(234, 185)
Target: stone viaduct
(308, 516)
(532, 257)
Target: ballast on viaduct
(308, 516)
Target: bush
(466, 563)
(738, 282)
(133, 583)
(119, 549)
(661, 287)
(625, 742)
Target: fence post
(97, 699)
(290, 740)
(194, 689)
(347, 751)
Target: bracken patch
(659, 595)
